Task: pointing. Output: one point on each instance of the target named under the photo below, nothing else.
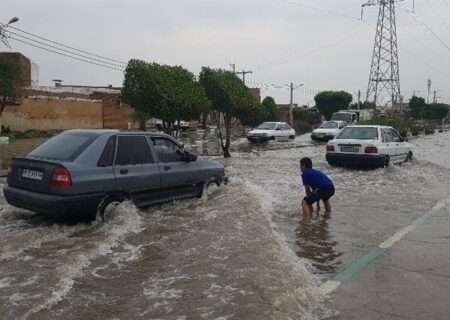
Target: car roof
(111, 132)
(367, 126)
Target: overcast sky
(318, 43)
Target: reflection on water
(315, 243)
(17, 147)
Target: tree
(416, 102)
(328, 102)
(165, 92)
(10, 85)
(230, 98)
(272, 112)
(440, 110)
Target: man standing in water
(317, 187)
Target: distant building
(284, 110)
(256, 93)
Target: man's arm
(308, 190)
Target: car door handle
(166, 168)
(123, 171)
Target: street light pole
(291, 104)
(3, 35)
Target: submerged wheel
(291, 137)
(107, 205)
(207, 186)
(409, 156)
(386, 161)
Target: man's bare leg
(307, 209)
(327, 206)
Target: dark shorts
(318, 194)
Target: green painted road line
(331, 285)
(348, 273)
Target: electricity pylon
(384, 78)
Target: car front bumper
(54, 206)
(355, 160)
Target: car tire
(386, 161)
(207, 187)
(409, 156)
(292, 137)
(106, 205)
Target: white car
(368, 146)
(328, 130)
(271, 131)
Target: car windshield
(365, 133)
(64, 147)
(267, 126)
(342, 117)
(329, 125)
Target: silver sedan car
(81, 173)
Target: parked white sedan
(271, 131)
(368, 146)
(328, 130)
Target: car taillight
(330, 148)
(10, 169)
(61, 178)
(371, 150)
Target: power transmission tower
(384, 78)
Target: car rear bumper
(260, 138)
(55, 206)
(322, 137)
(355, 160)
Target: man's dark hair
(306, 162)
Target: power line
(66, 55)
(67, 51)
(437, 14)
(65, 46)
(426, 26)
(325, 11)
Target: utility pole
(291, 116)
(359, 99)
(243, 74)
(384, 78)
(3, 34)
(233, 66)
(429, 90)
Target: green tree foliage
(169, 93)
(10, 84)
(420, 110)
(230, 98)
(363, 105)
(328, 102)
(272, 112)
(254, 116)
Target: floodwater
(241, 252)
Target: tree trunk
(2, 107)
(226, 147)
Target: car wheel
(386, 161)
(107, 205)
(291, 137)
(409, 156)
(207, 187)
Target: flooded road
(239, 253)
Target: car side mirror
(190, 157)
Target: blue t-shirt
(316, 179)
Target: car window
(64, 147)
(133, 150)
(365, 133)
(341, 125)
(329, 125)
(286, 127)
(395, 136)
(387, 136)
(166, 149)
(107, 157)
(266, 126)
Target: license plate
(350, 149)
(32, 174)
